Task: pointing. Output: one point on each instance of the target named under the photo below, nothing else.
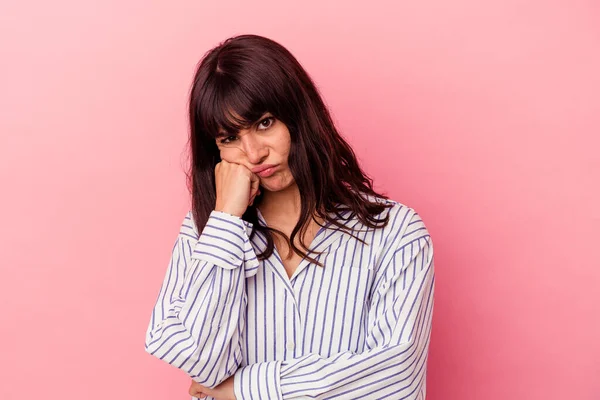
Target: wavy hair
(237, 82)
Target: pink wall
(483, 116)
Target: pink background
(483, 116)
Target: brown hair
(235, 84)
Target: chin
(277, 186)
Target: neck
(284, 203)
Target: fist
(236, 188)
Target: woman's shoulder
(392, 207)
(403, 220)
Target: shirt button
(290, 345)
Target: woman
(291, 277)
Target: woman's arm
(394, 364)
(199, 315)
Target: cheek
(281, 142)
(231, 155)
(282, 147)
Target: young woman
(290, 277)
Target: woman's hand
(224, 391)
(236, 186)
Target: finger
(255, 184)
(195, 388)
(199, 395)
(254, 196)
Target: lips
(256, 170)
(266, 172)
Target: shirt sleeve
(393, 364)
(199, 315)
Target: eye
(228, 139)
(261, 124)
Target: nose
(255, 149)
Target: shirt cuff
(258, 381)
(225, 242)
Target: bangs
(226, 106)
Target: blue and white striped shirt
(359, 327)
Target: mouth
(265, 173)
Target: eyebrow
(226, 134)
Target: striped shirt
(359, 327)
